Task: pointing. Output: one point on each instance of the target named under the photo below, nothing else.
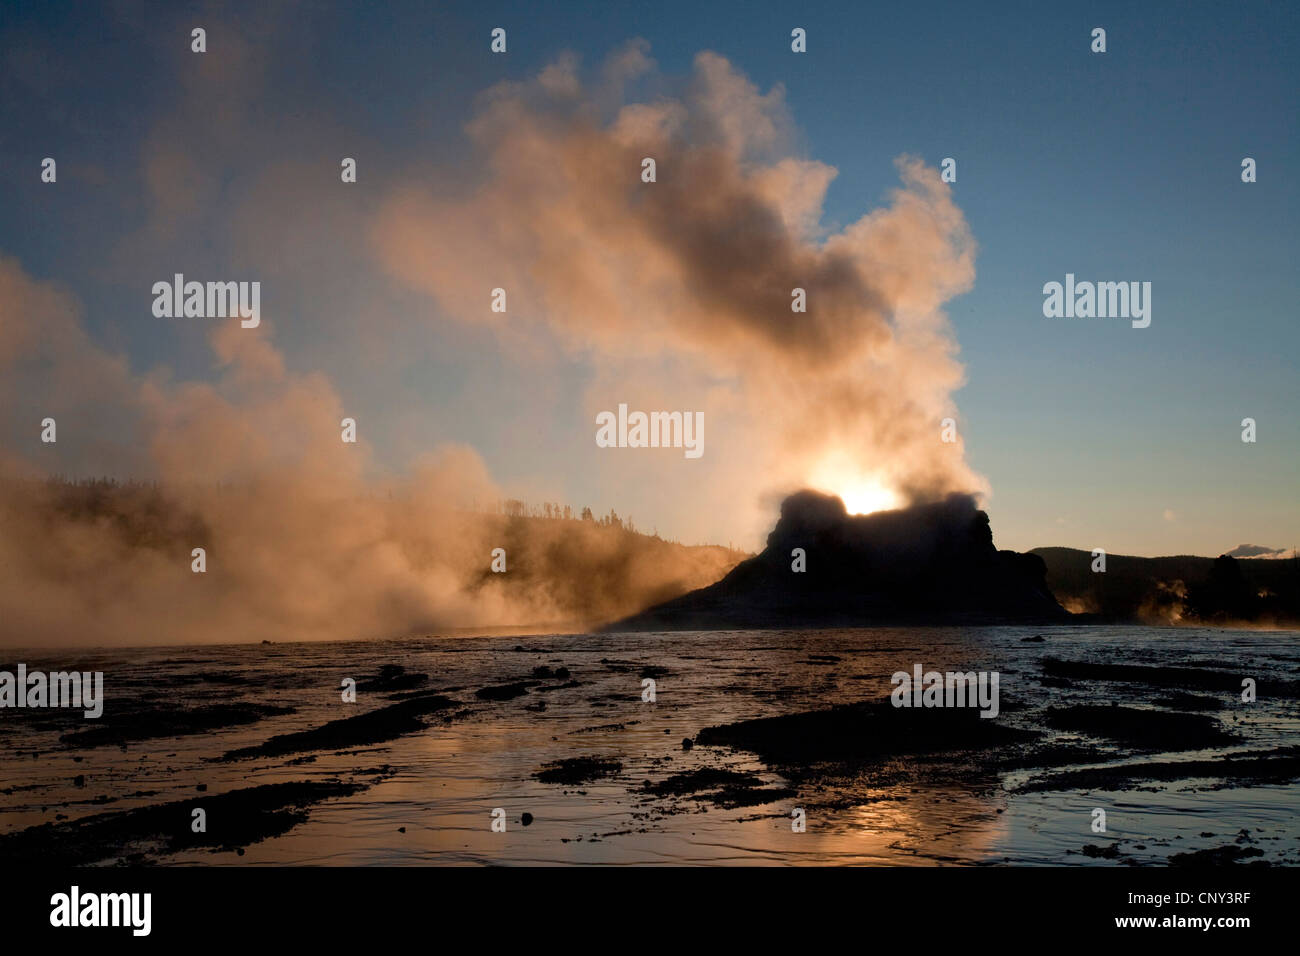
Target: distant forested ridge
(1180, 589)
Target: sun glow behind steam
(861, 492)
(864, 497)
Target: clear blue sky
(1117, 166)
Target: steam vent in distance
(929, 563)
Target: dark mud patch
(1108, 852)
(600, 728)
(1253, 767)
(245, 817)
(543, 672)
(392, 678)
(1146, 729)
(575, 770)
(617, 666)
(505, 691)
(726, 789)
(1219, 856)
(694, 781)
(822, 659)
(865, 732)
(748, 797)
(374, 727)
(151, 723)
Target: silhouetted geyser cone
(927, 564)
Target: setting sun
(861, 493)
(867, 496)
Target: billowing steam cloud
(680, 292)
(299, 544)
(700, 266)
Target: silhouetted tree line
(553, 510)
